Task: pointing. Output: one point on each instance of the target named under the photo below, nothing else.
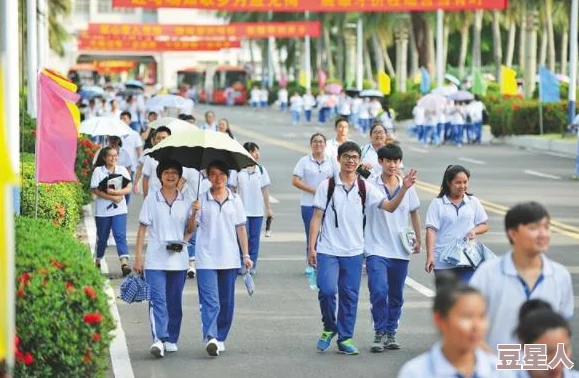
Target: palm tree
(497, 43)
(510, 16)
(423, 39)
(461, 21)
(548, 10)
(561, 14)
(530, 69)
(476, 43)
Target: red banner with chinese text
(248, 30)
(152, 45)
(317, 5)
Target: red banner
(317, 5)
(236, 29)
(152, 45)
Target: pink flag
(283, 80)
(321, 78)
(56, 132)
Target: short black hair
(218, 164)
(186, 117)
(341, 119)
(449, 289)
(525, 213)
(168, 164)
(349, 146)
(128, 114)
(161, 129)
(537, 319)
(250, 146)
(390, 152)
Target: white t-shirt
(313, 173)
(131, 143)
(381, 236)
(418, 113)
(309, 101)
(452, 222)
(216, 246)
(282, 95)
(150, 171)
(505, 292)
(164, 224)
(191, 177)
(296, 103)
(105, 207)
(249, 186)
(332, 148)
(347, 239)
(370, 156)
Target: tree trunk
(530, 52)
(497, 44)
(543, 50)
(401, 59)
(511, 44)
(251, 54)
(522, 37)
(327, 52)
(551, 56)
(430, 32)
(564, 50)
(464, 34)
(341, 52)
(378, 53)
(476, 45)
(422, 39)
(387, 59)
(413, 52)
(445, 49)
(350, 64)
(367, 61)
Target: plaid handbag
(135, 289)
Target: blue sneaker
(325, 340)
(347, 347)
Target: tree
(461, 21)
(497, 44)
(423, 39)
(530, 70)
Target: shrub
(519, 117)
(27, 132)
(85, 152)
(63, 322)
(60, 204)
(403, 104)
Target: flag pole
(540, 107)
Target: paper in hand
(249, 283)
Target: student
(453, 215)
(223, 127)
(166, 219)
(459, 314)
(386, 257)
(252, 184)
(378, 139)
(337, 243)
(111, 208)
(209, 123)
(309, 172)
(522, 274)
(221, 223)
(539, 324)
(341, 128)
(151, 182)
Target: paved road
(274, 332)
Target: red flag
(322, 78)
(56, 132)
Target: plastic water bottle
(249, 284)
(312, 279)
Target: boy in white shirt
(336, 240)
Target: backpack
(361, 193)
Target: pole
(308, 58)
(10, 70)
(540, 108)
(439, 47)
(573, 71)
(359, 55)
(270, 48)
(42, 34)
(32, 55)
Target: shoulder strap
(366, 149)
(331, 187)
(260, 169)
(362, 194)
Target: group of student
(451, 122)
(216, 214)
(349, 220)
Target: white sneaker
(157, 349)
(268, 233)
(170, 347)
(221, 346)
(212, 348)
(191, 272)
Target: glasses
(379, 132)
(353, 158)
(318, 142)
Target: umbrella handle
(199, 184)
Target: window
(106, 6)
(82, 7)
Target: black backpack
(361, 193)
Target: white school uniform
(249, 186)
(567, 373)
(381, 236)
(451, 222)
(102, 206)
(124, 159)
(296, 104)
(131, 143)
(150, 171)
(370, 156)
(505, 292)
(309, 101)
(418, 113)
(433, 364)
(331, 150)
(191, 177)
(206, 126)
(313, 173)
(216, 246)
(164, 224)
(346, 240)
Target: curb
(562, 148)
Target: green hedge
(63, 323)
(60, 204)
(521, 117)
(403, 104)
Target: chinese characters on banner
(318, 5)
(236, 29)
(534, 357)
(152, 45)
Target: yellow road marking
(495, 208)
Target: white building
(167, 64)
